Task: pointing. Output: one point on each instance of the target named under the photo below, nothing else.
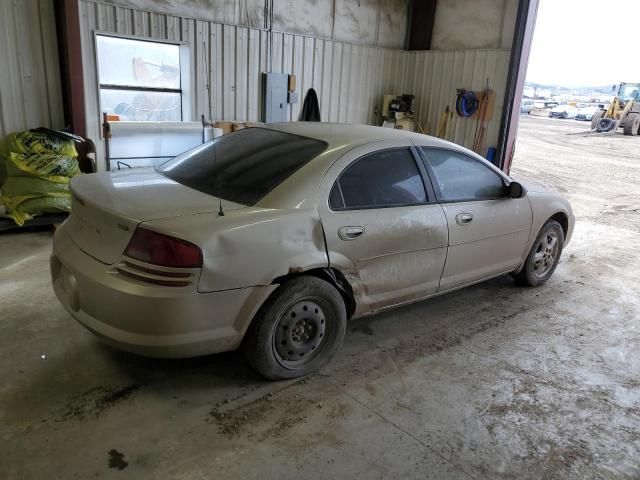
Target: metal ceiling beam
(422, 19)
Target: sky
(585, 43)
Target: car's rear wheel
(543, 257)
(298, 329)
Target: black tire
(297, 330)
(631, 124)
(606, 125)
(594, 120)
(531, 275)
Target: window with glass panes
(140, 80)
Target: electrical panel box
(276, 97)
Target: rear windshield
(243, 166)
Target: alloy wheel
(546, 253)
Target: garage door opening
(572, 85)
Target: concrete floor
(494, 381)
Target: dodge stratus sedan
(270, 239)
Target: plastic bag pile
(35, 169)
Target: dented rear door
(392, 253)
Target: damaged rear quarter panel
(252, 246)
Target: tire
(538, 267)
(594, 120)
(606, 125)
(631, 124)
(297, 330)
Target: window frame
(185, 72)
(434, 179)
(426, 182)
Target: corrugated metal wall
(433, 77)
(30, 90)
(349, 79)
(381, 23)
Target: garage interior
(492, 381)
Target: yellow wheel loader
(623, 112)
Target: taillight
(159, 249)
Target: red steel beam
(69, 45)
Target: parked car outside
(526, 106)
(586, 113)
(270, 239)
(563, 111)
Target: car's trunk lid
(107, 208)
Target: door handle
(464, 218)
(350, 233)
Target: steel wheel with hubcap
(297, 330)
(543, 257)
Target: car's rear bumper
(149, 320)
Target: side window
(389, 178)
(463, 178)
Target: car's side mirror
(516, 190)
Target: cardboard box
(226, 127)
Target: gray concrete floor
(494, 381)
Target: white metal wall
(30, 89)
(381, 23)
(433, 76)
(349, 79)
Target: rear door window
(243, 166)
(388, 178)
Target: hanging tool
(481, 122)
(443, 125)
(467, 103)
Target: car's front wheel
(298, 329)
(543, 257)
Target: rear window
(243, 166)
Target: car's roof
(340, 138)
(338, 135)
